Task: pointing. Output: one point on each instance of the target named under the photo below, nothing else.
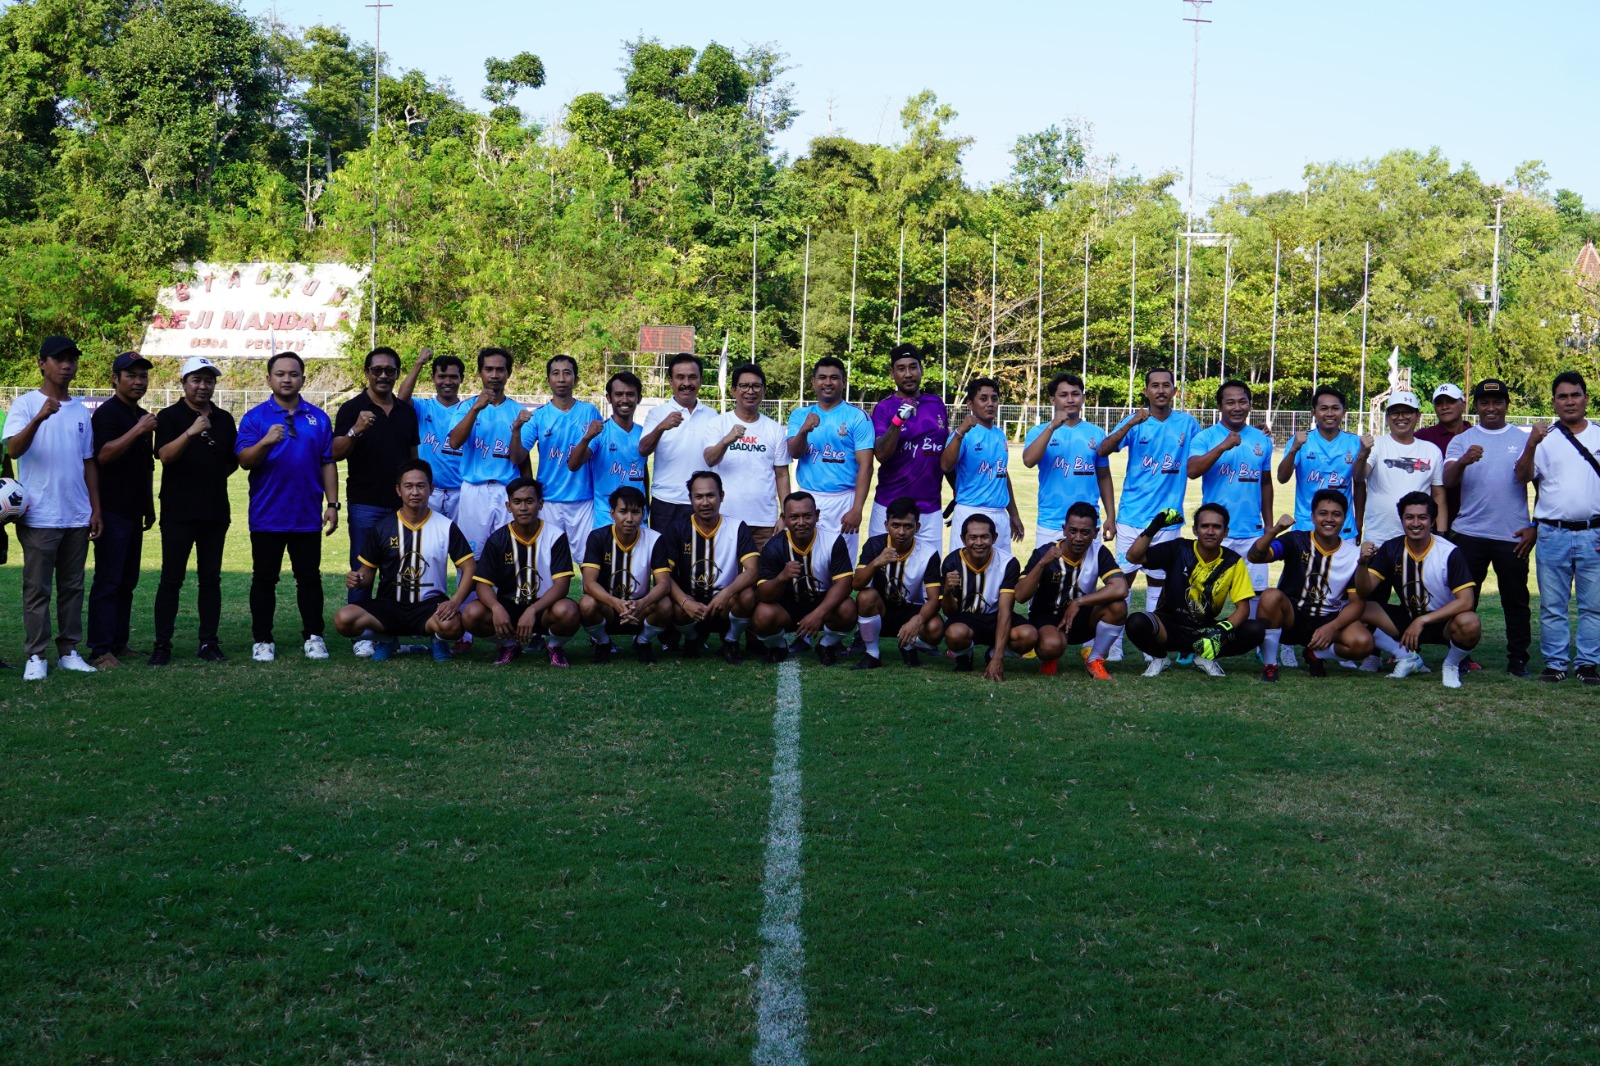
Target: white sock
(1389, 644)
(1269, 646)
(830, 637)
(1105, 634)
(597, 633)
(775, 641)
(555, 640)
(1255, 601)
(1454, 656)
(870, 630)
(689, 630)
(923, 645)
(648, 632)
(736, 627)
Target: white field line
(780, 991)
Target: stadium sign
(251, 309)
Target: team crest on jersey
(703, 578)
(844, 430)
(1258, 449)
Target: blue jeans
(361, 517)
(1568, 558)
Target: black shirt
(125, 482)
(194, 486)
(820, 564)
(377, 453)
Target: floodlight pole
(1494, 277)
(1366, 293)
(805, 299)
(1133, 310)
(1085, 352)
(994, 283)
(1188, 235)
(377, 78)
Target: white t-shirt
(51, 470)
(748, 467)
(679, 452)
(1569, 489)
(1394, 469)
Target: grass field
(412, 863)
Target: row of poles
(1180, 306)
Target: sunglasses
(384, 371)
(288, 421)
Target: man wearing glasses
(373, 434)
(748, 449)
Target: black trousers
(266, 566)
(116, 575)
(1512, 575)
(1181, 633)
(180, 537)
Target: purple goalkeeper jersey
(913, 470)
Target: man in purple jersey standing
(911, 427)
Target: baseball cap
(1403, 399)
(130, 361)
(1493, 388)
(198, 362)
(56, 345)
(1451, 391)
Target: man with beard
(912, 427)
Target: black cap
(56, 345)
(129, 361)
(1493, 388)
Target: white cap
(1452, 391)
(1403, 399)
(198, 362)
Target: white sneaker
(36, 669)
(1450, 674)
(1286, 657)
(264, 653)
(1208, 667)
(1407, 666)
(1156, 666)
(362, 648)
(315, 648)
(1115, 655)
(74, 662)
(1370, 664)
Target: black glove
(1169, 517)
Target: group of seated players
(708, 578)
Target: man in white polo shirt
(49, 435)
(750, 452)
(674, 433)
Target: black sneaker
(868, 662)
(604, 653)
(731, 653)
(1315, 667)
(1552, 676)
(964, 662)
(160, 655)
(691, 647)
(1517, 669)
(669, 640)
(644, 652)
(776, 655)
(210, 651)
(1589, 674)
(828, 654)
(909, 657)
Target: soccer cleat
(604, 653)
(644, 652)
(315, 647)
(35, 669)
(1156, 666)
(1097, 669)
(74, 662)
(1407, 666)
(1450, 675)
(1208, 647)
(263, 652)
(211, 652)
(1470, 664)
(774, 656)
(1208, 666)
(508, 654)
(909, 657)
(1370, 664)
(104, 661)
(441, 650)
(558, 658)
(1588, 674)
(460, 648)
(363, 649)
(1552, 676)
(731, 653)
(1116, 653)
(828, 654)
(799, 646)
(1314, 665)
(691, 647)
(1286, 657)
(1269, 673)
(160, 655)
(1049, 669)
(963, 662)
(383, 650)
(868, 662)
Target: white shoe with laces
(1450, 674)
(1286, 657)
(264, 652)
(36, 668)
(1156, 666)
(1209, 667)
(74, 662)
(362, 648)
(315, 648)
(1407, 666)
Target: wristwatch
(334, 505)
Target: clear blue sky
(1281, 83)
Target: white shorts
(445, 502)
(831, 509)
(930, 532)
(1126, 535)
(1002, 523)
(575, 520)
(480, 510)
(1257, 571)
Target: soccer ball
(13, 500)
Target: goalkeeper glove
(1209, 644)
(1169, 517)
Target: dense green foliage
(137, 134)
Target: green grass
(328, 862)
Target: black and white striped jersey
(1424, 583)
(1066, 579)
(1318, 582)
(981, 586)
(703, 564)
(625, 570)
(520, 571)
(413, 561)
(906, 581)
(823, 562)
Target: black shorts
(896, 615)
(1183, 630)
(794, 608)
(1432, 633)
(1082, 629)
(403, 619)
(1304, 626)
(982, 625)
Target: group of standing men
(688, 524)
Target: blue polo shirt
(1069, 473)
(1235, 479)
(614, 461)
(552, 433)
(435, 420)
(1325, 464)
(1158, 467)
(487, 457)
(829, 464)
(981, 468)
(286, 487)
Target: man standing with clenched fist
(911, 428)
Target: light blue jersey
(487, 457)
(614, 461)
(981, 469)
(1158, 467)
(830, 464)
(1325, 464)
(435, 420)
(1234, 480)
(551, 434)
(1069, 473)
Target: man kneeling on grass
(980, 582)
(897, 585)
(523, 576)
(409, 551)
(1065, 600)
(625, 580)
(1203, 577)
(1436, 593)
(1316, 603)
(803, 581)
